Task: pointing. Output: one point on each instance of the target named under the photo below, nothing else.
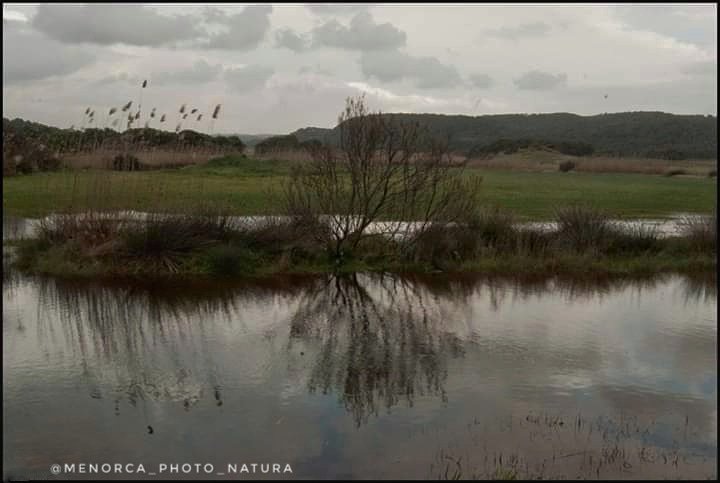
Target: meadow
(247, 186)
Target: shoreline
(60, 261)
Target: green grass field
(249, 187)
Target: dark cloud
(244, 31)
(248, 78)
(427, 72)
(482, 81)
(362, 34)
(289, 39)
(109, 24)
(200, 72)
(537, 80)
(29, 55)
(527, 30)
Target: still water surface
(366, 376)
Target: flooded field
(15, 227)
(365, 376)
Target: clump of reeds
(633, 240)
(93, 231)
(700, 232)
(581, 228)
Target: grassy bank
(68, 262)
(210, 245)
(248, 187)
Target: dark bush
(494, 227)
(126, 162)
(712, 173)
(228, 260)
(582, 228)
(675, 172)
(701, 232)
(566, 166)
(534, 243)
(634, 240)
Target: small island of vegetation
(387, 197)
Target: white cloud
(248, 78)
(538, 80)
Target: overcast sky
(278, 68)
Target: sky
(277, 68)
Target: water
(363, 377)
(15, 228)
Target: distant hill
(251, 140)
(645, 134)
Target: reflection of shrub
(566, 166)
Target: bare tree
(382, 169)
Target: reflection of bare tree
(380, 342)
(502, 289)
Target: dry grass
(156, 158)
(701, 232)
(534, 160)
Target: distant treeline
(510, 146)
(21, 135)
(276, 144)
(641, 134)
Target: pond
(18, 228)
(364, 376)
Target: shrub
(439, 245)
(566, 166)
(634, 240)
(675, 172)
(582, 228)
(712, 173)
(534, 243)
(494, 227)
(277, 235)
(87, 230)
(227, 260)
(164, 237)
(701, 232)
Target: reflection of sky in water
(344, 377)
